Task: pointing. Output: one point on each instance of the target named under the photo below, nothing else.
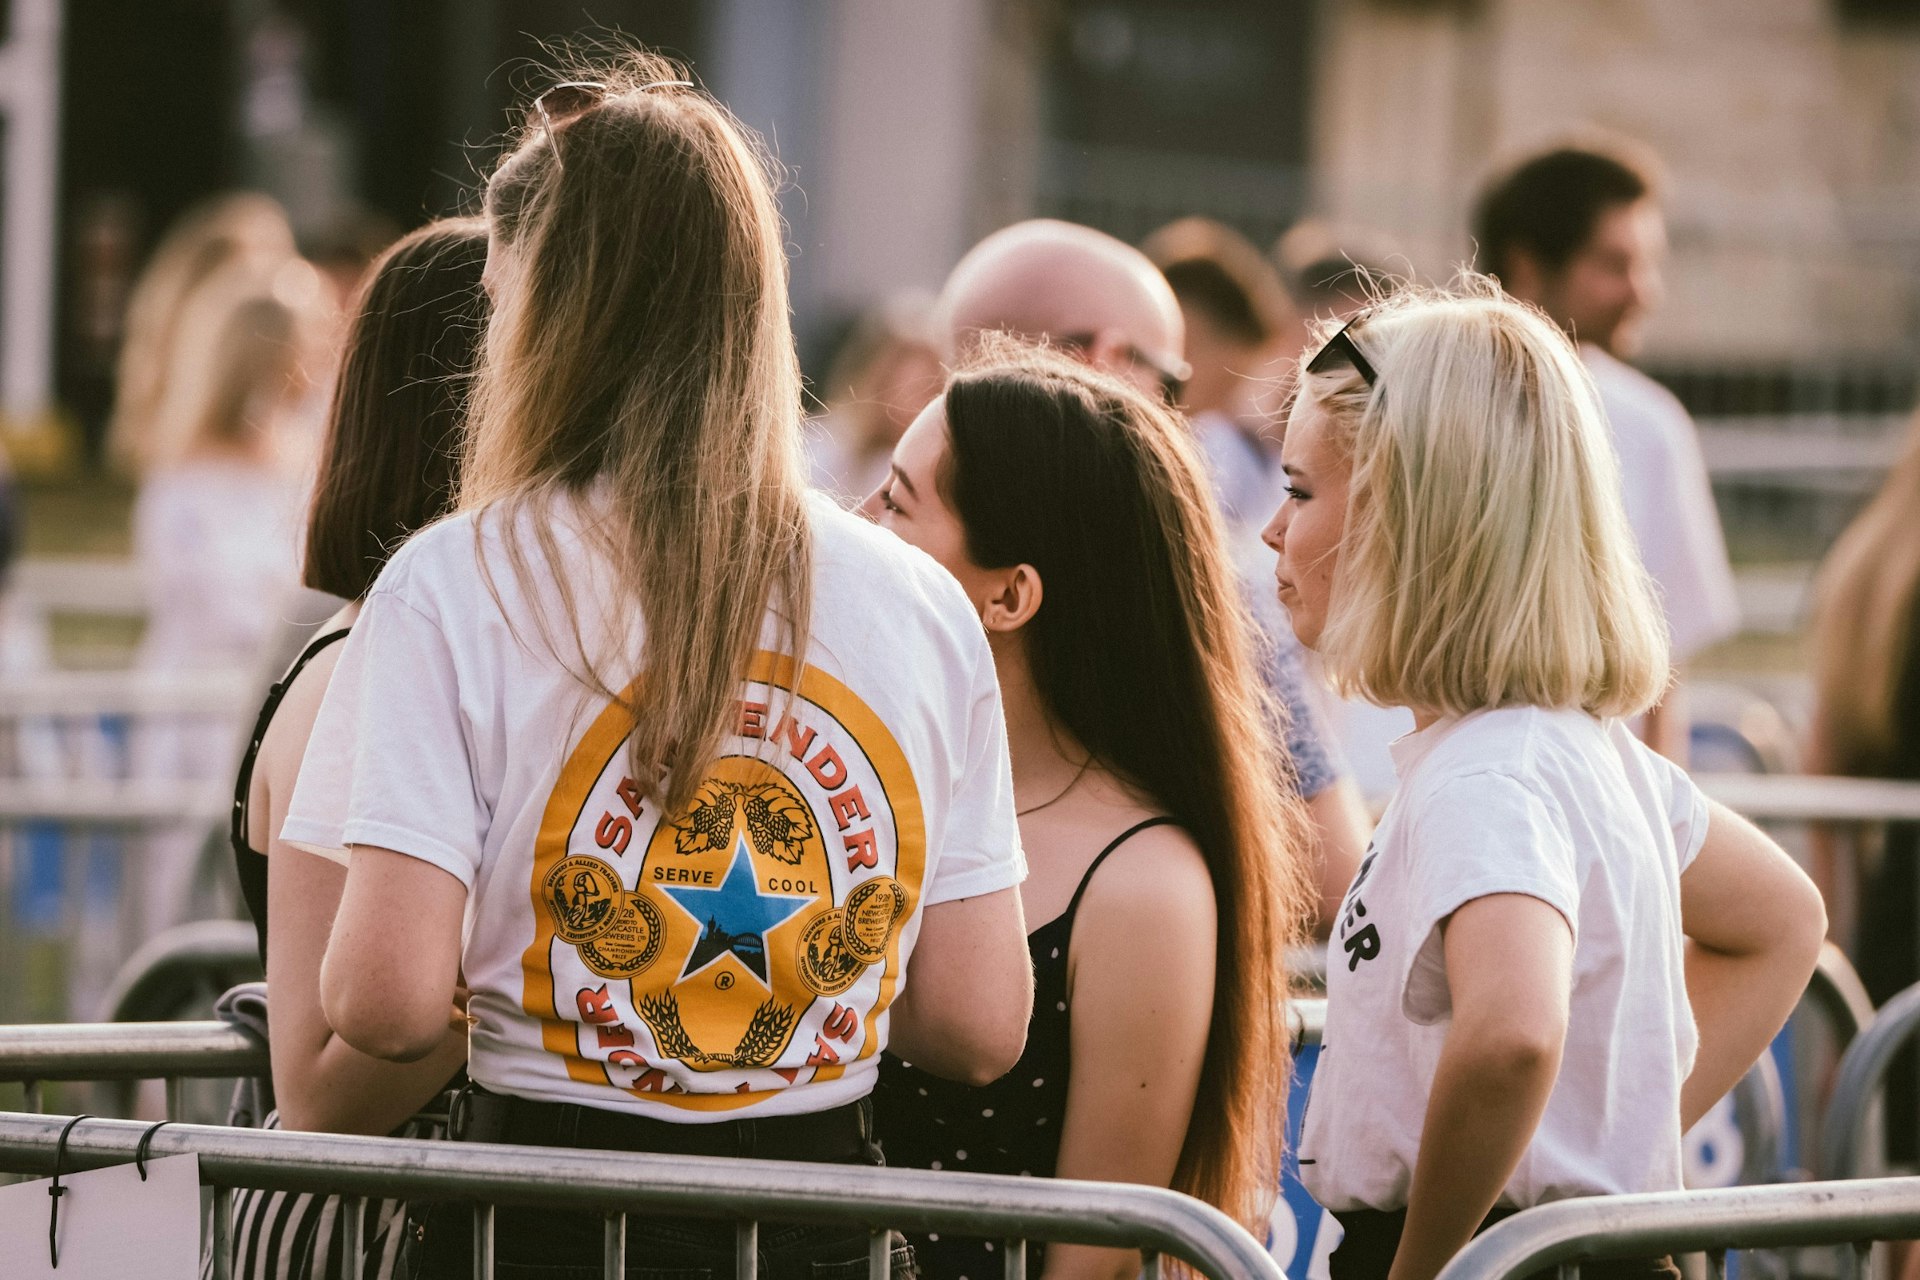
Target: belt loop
(460, 1113)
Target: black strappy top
(1011, 1126)
(248, 862)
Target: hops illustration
(662, 1013)
(777, 822)
(765, 1036)
(708, 823)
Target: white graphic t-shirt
(1558, 806)
(736, 959)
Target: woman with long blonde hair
(1168, 866)
(1557, 953)
(702, 762)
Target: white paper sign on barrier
(111, 1224)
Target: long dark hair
(1143, 652)
(393, 442)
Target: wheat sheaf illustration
(765, 1035)
(662, 1013)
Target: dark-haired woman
(387, 469)
(1165, 868)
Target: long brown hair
(393, 435)
(640, 337)
(1143, 651)
(1867, 612)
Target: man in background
(1086, 291)
(1577, 231)
(1242, 333)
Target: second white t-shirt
(738, 959)
(1583, 816)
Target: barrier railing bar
(34, 1052)
(1150, 1270)
(126, 1051)
(880, 1255)
(1717, 1264)
(351, 1244)
(615, 1265)
(1568, 1271)
(1649, 1225)
(1016, 1259)
(1116, 1215)
(1782, 797)
(483, 1242)
(222, 1234)
(746, 1250)
(176, 1101)
(36, 1102)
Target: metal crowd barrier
(1846, 1137)
(1567, 1233)
(1152, 1219)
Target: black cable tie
(56, 1191)
(140, 1149)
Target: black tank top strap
(1073, 904)
(243, 785)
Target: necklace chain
(1062, 793)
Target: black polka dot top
(1011, 1126)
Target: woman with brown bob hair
(1167, 865)
(697, 783)
(387, 469)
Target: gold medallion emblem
(873, 909)
(826, 966)
(581, 894)
(630, 944)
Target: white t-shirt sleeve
(979, 850)
(1478, 835)
(388, 763)
(1686, 809)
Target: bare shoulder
(1156, 876)
(285, 742)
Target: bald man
(1077, 287)
(1084, 290)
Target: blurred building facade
(1790, 129)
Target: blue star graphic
(736, 916)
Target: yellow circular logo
(632, 942)
(873, 909)
(826, 966)
(581, 894)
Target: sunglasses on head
(569, 100)
(1341, 348)
(1172, 381)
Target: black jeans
(552, 1244)
(1373, 1237)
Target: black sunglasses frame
(1341, 346)
(572, 99)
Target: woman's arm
(1754, 925)
(1509, 974)
(392, 967)
(963, 1011)
(320, 1083)
(1142, 1000)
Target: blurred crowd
(291, 427)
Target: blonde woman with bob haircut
(698, 764)
(1557, 953)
